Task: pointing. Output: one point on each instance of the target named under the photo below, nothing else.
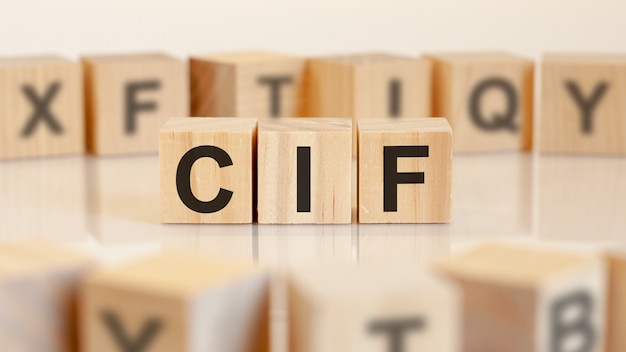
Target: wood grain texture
(457, 76)
(616, 313)
(330, 181)
(512, 294)
(335, 309)
(190, 298)
(237, 137)
(429, 202)
(561, 124)
(229, 84)
(359, 86)
(160, 91)
(56, 84)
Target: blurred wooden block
(129, 97)
(176, 302)
(244, 84)
(38, 296)
(616, 312)
(41, 107)
(487, 97)
(524, 299)
(582, 109)
(207, 169)
(405, 171)
(371, 85)
(372, 309)
(304, 171)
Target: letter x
(41, 111)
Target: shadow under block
(372, 309)
(246, 84)
(207, 170)
(524, 299)
(176, 302)
(129, 97)
(616, 314)
(41, 111)
(368, 86)
(38, 296)
(583, 104)
(405, 171)
(304, 171)
(487, 98)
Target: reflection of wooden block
(523, 299)
(207, 168)
(41, 109)
(405, 171)
(582, 109)
(38, 288)
(176, 302)
(487, 98)
(367, 309)
(246, 84)
(368, 86)
(616, 314)
(129, 97)
(304, 171)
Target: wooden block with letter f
(129, 97)
(176, 301)
(243, 84)
(487, 97)
(304, 171)
(405, 171)
(520, 298)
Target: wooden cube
(304, 171)
(129, 97)
(372, 309)
(524, 299)
(373, 85)
(405, 171)
(176, 302)
(616, 312)
(243, 84)
(38, 291)
(41, 107)
(582, 104)
(207, 170)
(487, 97)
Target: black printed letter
(580, 326)
(392, 178)
(498, 121)
(41, 111)
(275, 82)
(396, 330)
(586, 106)
(148, 333)
(133, 107)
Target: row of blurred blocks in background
(495, 297)
(118, 103)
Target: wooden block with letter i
(258, 84)
(521, 298)
(487, 97)
(304, 171)
(176, 301)
(616, 312)
(129, 97)
(38, 296)
(373, 85)
(583, 104)
(405, 171)
(207, 170)
(372, 309)
(41, 107)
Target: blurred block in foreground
(405, 171)
(129, 97)
(524, 299)
(38, 293)
(41, 107)
(616, 313)
(487, 97)
(207, 168)
(176, 302)
(371, 85)
(583, 104)
(258, 84)
(305, 171)
(372, 309)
